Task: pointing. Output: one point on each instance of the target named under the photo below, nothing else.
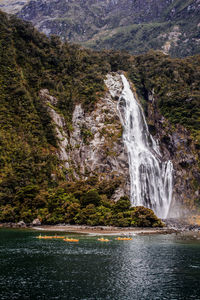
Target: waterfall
(151, 180)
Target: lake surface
(148, 267)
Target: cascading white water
(151, 179)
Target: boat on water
(64, 238)
(123, 238)
(44, 237)
(71, 240)
(50, 237)
(77, 240)
(103, 240)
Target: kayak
(44, 237)
(103, 240)
(123, 238)
(71, 240)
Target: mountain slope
(133, 25)
(62, 154)
(12, 6)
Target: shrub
(7, 214)
(91, 197)
(122, 204)
(144, 217)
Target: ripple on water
(148, 267)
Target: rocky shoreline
(182, 225)
(105, 230)
(171, 226)
(96, 230)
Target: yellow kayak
(44, 237)
(50, 237)
(123, 238)
(103, 240)
(71, 240)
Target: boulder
(21, 224)
(36, 222)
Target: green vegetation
(134, 26)
(32, 178)
(182, 36)
(29, 61)
(136, 38)
(175, 84)
(86, 134)
(76, 204)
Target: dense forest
(29, 62)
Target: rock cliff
(94, 146)
(177, 145)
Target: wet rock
(21, 224)
(181, 225)
(36, 222)
(177, 145)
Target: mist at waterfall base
(151, 180)
(148, 267)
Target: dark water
(148, 267)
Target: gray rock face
(177, 145)
(95, 146)
(96, 141)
